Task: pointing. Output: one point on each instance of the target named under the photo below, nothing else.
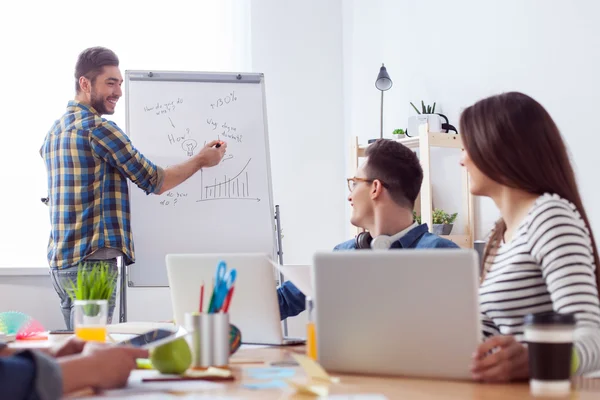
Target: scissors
(224, 280)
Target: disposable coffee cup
(549, 338)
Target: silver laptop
(254, 308)
(411, 313)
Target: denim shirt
(292, 301)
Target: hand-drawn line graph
(236, 188)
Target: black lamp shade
(383, 81)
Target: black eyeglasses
(352, 182)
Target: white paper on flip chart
(300, 275)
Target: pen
(190, 378)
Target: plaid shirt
(88, 160)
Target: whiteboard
(226, 208)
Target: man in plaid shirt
(89, 160)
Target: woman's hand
(99, 366)
(500, 359)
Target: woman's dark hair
(513, 140)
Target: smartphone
(154, 338)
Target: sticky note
(310, 389)
(211, 371)
(313, 369)
(144, 363)
(274, 384)
(270, 373)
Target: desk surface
(392, 388)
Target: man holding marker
(89, 160)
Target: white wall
(144, 34)
(298, 47)
(32, 295)
(456, 52)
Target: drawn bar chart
(236, 188)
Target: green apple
(574, 362)
(172, 358)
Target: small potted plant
(436, 122)
(442, 221)
(90, 294)
(94, 282)
(424, 109)
(398, 134)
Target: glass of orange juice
(91, 319)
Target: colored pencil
(201, 297)
(225, 307)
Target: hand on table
(69, 347)
(508, 361)
(112, 363)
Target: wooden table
(392, 388)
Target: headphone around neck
(364, 240)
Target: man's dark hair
(396, 166)
(91, 62)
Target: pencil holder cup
(210, 339)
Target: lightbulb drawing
(189, 145)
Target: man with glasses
(382, 196)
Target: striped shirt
(88, 160)
(548, 266)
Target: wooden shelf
(435, 140)
(424, 142)
(461, 240)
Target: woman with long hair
(541, 256)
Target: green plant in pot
(442, 221)
(424, 109)
(398, 133)
(95, 281)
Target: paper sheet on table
(139, 396)
(138, 328)
(300, 275)
(368, 396)
(136, 386)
